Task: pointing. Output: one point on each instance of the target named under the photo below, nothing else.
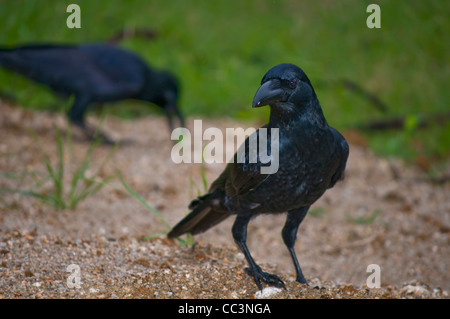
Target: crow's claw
(270, 279)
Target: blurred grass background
(221, 49)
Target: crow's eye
(293, 83)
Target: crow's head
(284, 84)
(162, 89)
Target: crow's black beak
(171, 112)
(180, 117)
(268, 93)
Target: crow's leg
(76, 117)
(289, 233)
(76, 112)
(239, 231)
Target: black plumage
(94, 73)
(312, 158)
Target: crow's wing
(342, 152)
(69, 69)
(121, 71)
(241, 175)
(50, 65)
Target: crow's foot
(270, 279)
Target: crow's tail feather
(203, 216)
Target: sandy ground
(383, 213)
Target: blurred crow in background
(312, 158)
(94, 73)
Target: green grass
(64, 184)
(221, 49)
(363, 220)
(317, 212)
(131, 192)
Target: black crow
(312, 158)
(94, 73)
